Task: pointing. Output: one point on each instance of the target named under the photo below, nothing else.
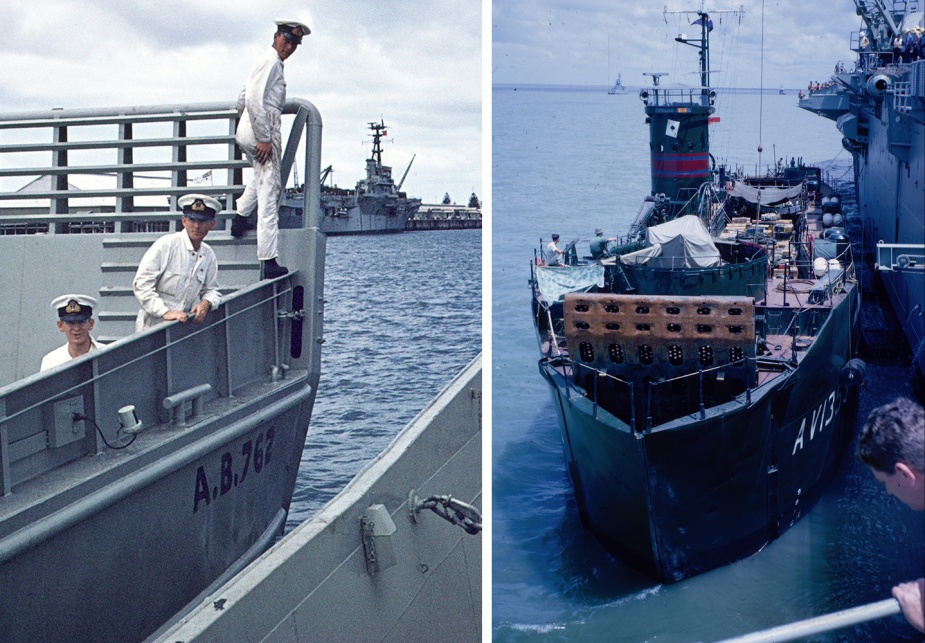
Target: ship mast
(703, 43)
(678, 120)
(378, 132)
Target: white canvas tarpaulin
(769, 195)
(680, 243)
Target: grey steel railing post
(632, 405)
(179, 156)
(59, 205)
(125, 178)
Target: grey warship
(376, 205)
(878, 104)
(110, 526)
(703, 368)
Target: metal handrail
(821, 624)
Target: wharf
(445, 217)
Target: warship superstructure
(618, 87)
(702, 367)
(139, 475)
(375, 205)
(878, 104)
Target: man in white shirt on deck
(178, 275)
(75, 320)
(261, 107)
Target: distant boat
(782, 92)
(618, 87)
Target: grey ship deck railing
(146, 152)
(37, 429)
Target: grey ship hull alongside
(879, 107)
(105, 537)
(416, 578)
(375, 206)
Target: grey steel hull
(891, 202)
(369, 217)
(121, 554)
(104, 536)
(880, 110)
(314, 585)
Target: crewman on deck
(75, 320)
(261, 108)
(554, 252)
(178, 275)
(892, 444)
(599, 249)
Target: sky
(416, 64)
(559, 42)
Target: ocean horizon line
(628, 88)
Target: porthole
(646, 355)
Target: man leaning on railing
(892, 444)
(177, 278)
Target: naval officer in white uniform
(75, 320)
(261, 107)
(178, 276)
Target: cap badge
(198, 206)
(72, 307)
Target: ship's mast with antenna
(703, 43)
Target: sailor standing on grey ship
(75, 320)
(261, 108)
(178, 275)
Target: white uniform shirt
(62, 356)
(553, 257)
(173, 276)
(262, 98)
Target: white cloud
(416, 64)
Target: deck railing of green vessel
(570, 370)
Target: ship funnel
(879, 84)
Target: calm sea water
(403, 316)
(567, 163)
